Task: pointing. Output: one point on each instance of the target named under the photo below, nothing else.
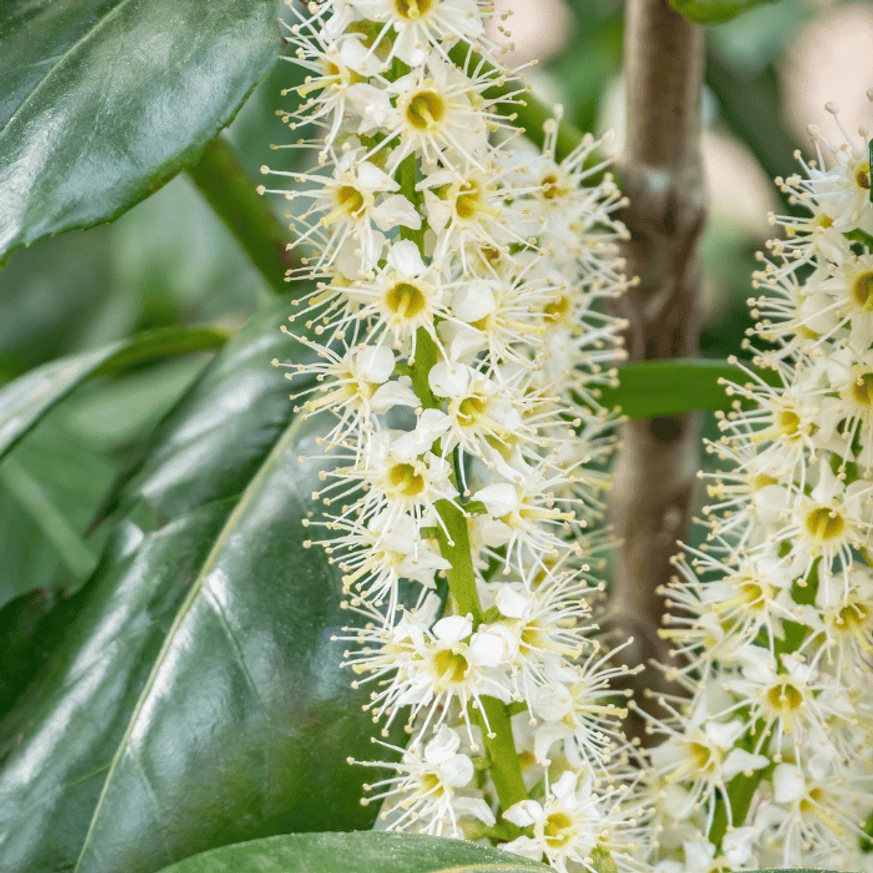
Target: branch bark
(662, 175)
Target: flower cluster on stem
(456, 343)
(766, 759)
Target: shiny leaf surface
(105, 100)
(27, 399)
(196, 700)
(364, 853)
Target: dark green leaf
(715, 11)
(104, 101)
(27, 399)
(650, 389)
(364, 853)
(197, 699)
(211, 445)
(30, 627)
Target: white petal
(566, 785)
(473, 301)
(527, 847)
(396, 210)
(375, 363)
(789, 784)
(475, 807)
(513, 603)
(725, 735)
(373, 179)
(547, 735)
(457, 771)
(493, 646)
(393, 394)
(442, 747)
(453, 629)
(524, 813)
(740, 761)
(499, 500)
(449, 380)
(737, 846)
(405, 258)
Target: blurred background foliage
(170, 261)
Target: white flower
(425, 795)
(568, 825)
(420, 24)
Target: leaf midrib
(61, 60)
(238, 511)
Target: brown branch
(662, 176)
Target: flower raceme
(453, 343)
(769, 763)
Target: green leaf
(50, 488)
(26, 400)
(30, 626)
(105, 100)
(651, 389)
(715, 11)
(375, 852)
(197, 699)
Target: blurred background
(170, 261)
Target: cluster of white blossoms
(770, 763)
(458, 341)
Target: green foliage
(49, 489)
(105, 100)
(27, 399)
(715, 11)
(367, 853)
(650, 389)
(194, 699)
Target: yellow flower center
(405, 480)
(862, 291)
(785, 697)
(412, 10)
(862, 177)
(824, 524)
(426, 110)
(557, 309)
(789, 422)
(405, 300)
(551, 188)
(349, 199)
(762, 480)
(558, 829)
(862, 390)
(469, 201)
(470, 409)
(704, 759)
(752, 593)
(451, 666)
(852, 616)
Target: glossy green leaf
(30, 627)
(375, 852)
(650, 389)
(103, 101)
(196, 700)
(26, 400)
(715, 11)
(210, 446)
